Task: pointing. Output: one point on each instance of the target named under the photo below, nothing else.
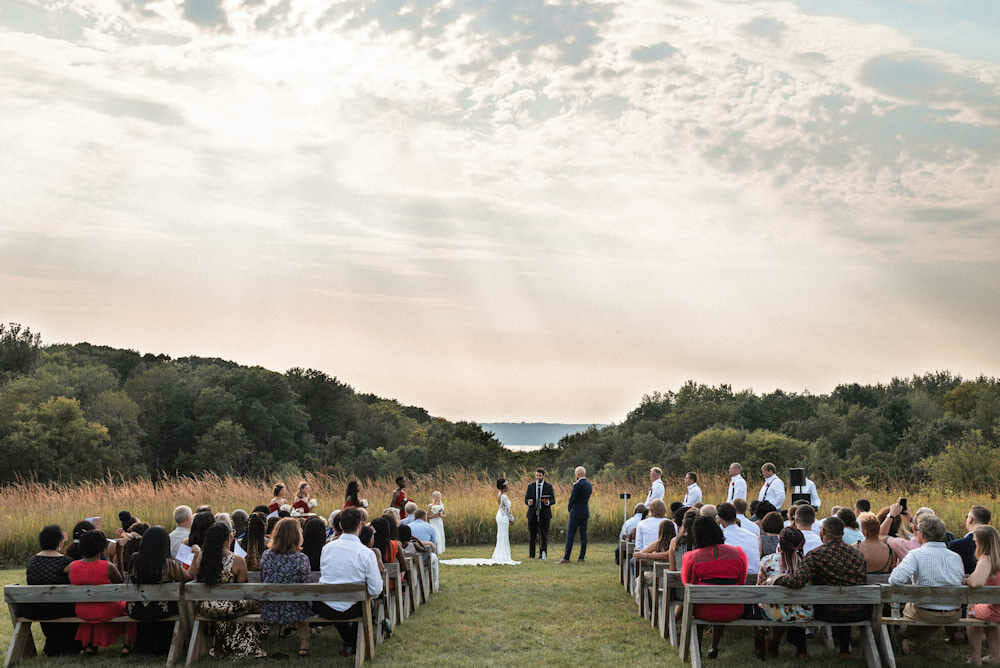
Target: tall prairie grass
(469, 498)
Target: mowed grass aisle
(538, 613)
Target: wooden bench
(18, 595)
(899, 595)
(626, 558)
(346, 593)
(666, 582)
(747, 594)
(253, 577)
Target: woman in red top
(399, 499)
(715, 563)
(278, 500)
(92, 570)
(351, 498)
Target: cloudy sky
(514, 209)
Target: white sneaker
(542, 556)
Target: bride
(501, 553)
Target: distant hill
(532, 433)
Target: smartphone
(902, 502)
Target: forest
(80, 412)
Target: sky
(516, 210)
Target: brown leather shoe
(564, 561)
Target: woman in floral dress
(788, 560)
(284, 563)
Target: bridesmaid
(436, 515)
(352, 498)
(278, 500)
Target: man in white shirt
(648, 530)
(805, 517)
(810, 489)
(930, 565)
(639, 514)
(737, 484)
(656, 490)
(693, 494)
(741, 515)
(738, 537)
(347, 561)
(773, 489)
(182, 518)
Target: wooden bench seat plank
(90, 593)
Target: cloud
(653, 52)
(924, 79)
(766, 27)
(207, 13)
(942, 214)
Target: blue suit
(965, 548)
(579, 513)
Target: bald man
(579, 513)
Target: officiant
(539, 498)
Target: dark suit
(539, 515)
(965, 548)
(579, 513)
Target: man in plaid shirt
(833, 563)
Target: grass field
(538, 613)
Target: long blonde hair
(302, 487)
(988, 544)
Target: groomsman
(737, 484)
(656, 490)
(773, 489)
(693, 494)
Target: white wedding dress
(501, 553)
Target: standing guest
(284, 563)
(408, 511)
(182, 518)
(683, 542)
(436, 517)
(788, 560)
(240, 521)
(770, 528)
(539, 498)
(579, 513)
(331, 530)
(648, 529)
(714, 562)
(986, 573)
(656, 490)
(302, 503)
(879, 557)
(352, 498)
(833, 564)
(313, 540)
(153, 565)
(773, 490)
(852, 533)
(399, 499)
(277, 498)
(741, 538)
(346, 561)
(48, 567)
(810, 489)
(737, 485)
(965, 547)
(740, 505)
(216, 564)
(90, 569)
(932, 565)
(255, 541)
(693, 493)
(805, 517)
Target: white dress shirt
(656, 491)
(932, 565)
(748, 542)
(737, 488)
(810, 489)
(693, 495)
(647, 531)
(748, 524)
(628, 524)
(812, 540)
(178, 536)
(347, 561)
(773, 490)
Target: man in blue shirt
(422, 529)
(409, 509)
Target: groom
(539, 498)
(579, 513)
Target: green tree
(225, 448)
(18, 349)
(716, 448)
(970, 464)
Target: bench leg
(870, 648)
(672, 625)
(369, 630)
(176, 644)
(664, 607)
(399, 601)
(888, 656)
(687, 622)
(359, 645)
(195, 643)
(695, 648)
(18, 642)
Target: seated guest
(838, 565)
(770, 527)
(638, 514)
(412, 544)
(153, 565)
(48, 567)
(986, 573)
(741, 514)
(284, 563)
(80, 528)
(708, 510)
(422, 529)
(388, 547)
(408, 509)
(648, 529)
(879, 557)
(216, 564)
(262, 509)
(683, 542)
(226, 519)
(965, 547)
(741, 538)
(862, 506)
(895, 524)
(787, 560)
(345, 561)
(805, 517)
(254, 543)
(338, 531)
(199, 526)
(852, 533)
(182, 518)
(204, 508)
(330, 529)
(658, 550)
(240, 521)
(272, 521)
(713, 562)
(91, 569)
(313, 540)
(909, 524)
(932, 565)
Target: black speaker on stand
(797, 479)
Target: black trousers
(538, 528)
(842, 613)
(348, 630)
(574, 524)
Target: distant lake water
(524, 448)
